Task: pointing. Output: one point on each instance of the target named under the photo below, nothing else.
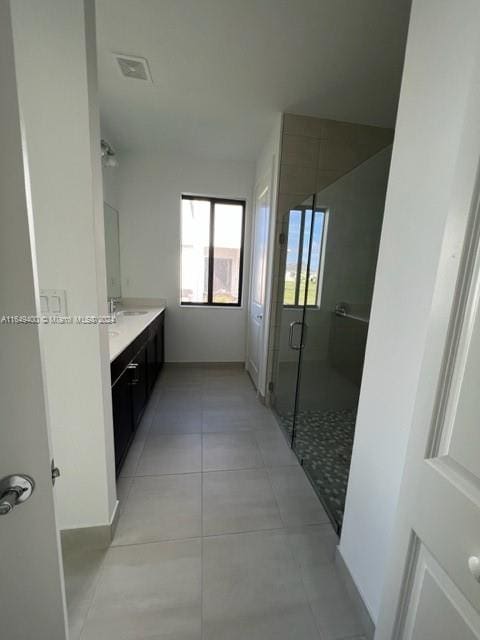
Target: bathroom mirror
(112, 251)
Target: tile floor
(220, 535)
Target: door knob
(14, 490)
(474, 566)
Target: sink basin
(133, 313)
(113, 333)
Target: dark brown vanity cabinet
(134, 373)
(122, 420)
(139, 383)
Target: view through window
(212, 251)
(296, 272)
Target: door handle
(133, 366)
(14, 490)
(295, 347)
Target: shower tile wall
(315, 153)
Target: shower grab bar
(290, 336)
(341, 312)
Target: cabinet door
(122, 418)
(160, 343)
(151, 363)
(138, 372)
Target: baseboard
(355, 595)
(98, 537)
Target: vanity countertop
(127, 327)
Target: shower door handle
(300, 346)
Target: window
(212, 251)
(297, 271)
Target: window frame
(211, 252)
(297, 304)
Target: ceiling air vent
(133, 67)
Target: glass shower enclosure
(328, 261)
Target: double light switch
(53, 302)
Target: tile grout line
(207, 536)
(94, 594)
(283, 529)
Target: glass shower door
(344, 239)
(295, 248)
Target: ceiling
(222, 69)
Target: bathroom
(219, 337)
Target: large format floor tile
(252, 590)
(226, 420)
(236, 501)
(274, 448)
(296, 499)
(81, 569)
(133, 456)
(148, 591)
(175, 422)
(167, 454)
(332, 608)
(209, 460)
(161, 508)
(230, 451)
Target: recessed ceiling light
(133, 67)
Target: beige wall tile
(303, 125)
(300, 180)
(339, 131)
(324, 178)
(338, 155)
(300, 150)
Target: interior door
(257, 291)
(32, 603)
(436, 594)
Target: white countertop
(124, 331)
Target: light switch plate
(53, 302)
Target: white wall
(440, 53)
(150, 189)
(110, 185)
(57, 92)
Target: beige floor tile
(226, 420)
(149, 591)
(296, 499)
(169, 454)
(313, 545)
(124, 484)
(230, 451)
(161, 508)
(332, 608)
(274, 448)
(252, 590)
(82, 570)
(176, 422)
(268, 558)
(236, 501)
(129, 467)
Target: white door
(31, 589)
(437, 591)
(432, 587)
(258, 279)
